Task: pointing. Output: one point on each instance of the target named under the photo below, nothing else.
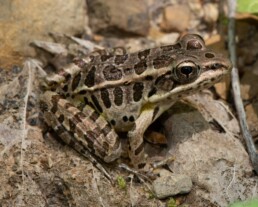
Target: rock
(211, 13)
(24, 22)
(171, 184)
(196, 7)
(249, 90)
(167, 39)
(175, 18)
(106, 16)
(209, 151)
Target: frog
(96, 97)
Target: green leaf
(249, 6)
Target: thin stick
(236, 87)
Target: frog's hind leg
(83, 131)
(69, 140)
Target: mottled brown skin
(92, 99)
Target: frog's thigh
(87, 129)
(107, 140)
(68, 139)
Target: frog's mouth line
(205, 80)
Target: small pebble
(171, 184)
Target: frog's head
(196, 70)
(198, 67)
(194, 67)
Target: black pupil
(186, 70)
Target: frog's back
(120, 86)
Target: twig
(27, 67)
(236, 86)
(96, 188)
(231, 182)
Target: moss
(121, 182)
(171, 203)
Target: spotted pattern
(86, 101)
(80, 115)
(131, 119)
(140, 67)
(106, 130)
(76, 81)
(72, 124)
(65, 88)
(118, 96)
(125, 118)
(137, 91)
(149, 78)
(90, 77)
(139, 149)
(67, 76)
(88, 136)
(105, 98)
(94, 116)
(120, 59)
(113, 122)
(112, 73)
(142, 55)
(96, 103)
(155, 112)
(82, 92)
(152, 92)
(162, 61)
(60, 130)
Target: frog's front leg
(135, 136)
(83, 130)
(149, 114)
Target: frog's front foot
(144, 174)
(151, 169)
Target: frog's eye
(186, 72)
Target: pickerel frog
(91, 100)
